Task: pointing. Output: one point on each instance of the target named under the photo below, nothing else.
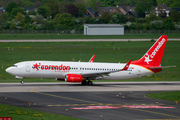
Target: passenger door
(28, 67)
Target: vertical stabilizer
(154, 55)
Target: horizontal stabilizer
(161, 67)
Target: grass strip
(81, 36)
(19, 113)
(170, 96)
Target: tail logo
(149, 56)
(147, 59)
(157, 48)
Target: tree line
(71, 14)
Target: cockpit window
(14, 66)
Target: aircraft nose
(9, 70)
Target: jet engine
(73, 78)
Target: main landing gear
(22, 81)
(87, 82)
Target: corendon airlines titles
(157, 48)
(51, 67)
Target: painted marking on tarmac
(146, 106)
(32, 90)
(142, 110)
(108, 104)
(95, 107)
(84, 105)
(120, 106)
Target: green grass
(66, 51)
(81, 36)
(19, 113)
(170, 96)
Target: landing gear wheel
(84, 82)
(90, 83)
(22, 82)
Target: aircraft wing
(106, 73)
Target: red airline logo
(36, 66)
(147, 59)
(50, 67)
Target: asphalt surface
(106, 101)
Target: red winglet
(92, 59)
(127, 65)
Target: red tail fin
(154, 55)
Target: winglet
(126, 66)
(92, 59)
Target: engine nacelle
(73, 78)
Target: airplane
(84, 72)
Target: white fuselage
(58, 69)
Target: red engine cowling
(73, 78)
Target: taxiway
(103, 100)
